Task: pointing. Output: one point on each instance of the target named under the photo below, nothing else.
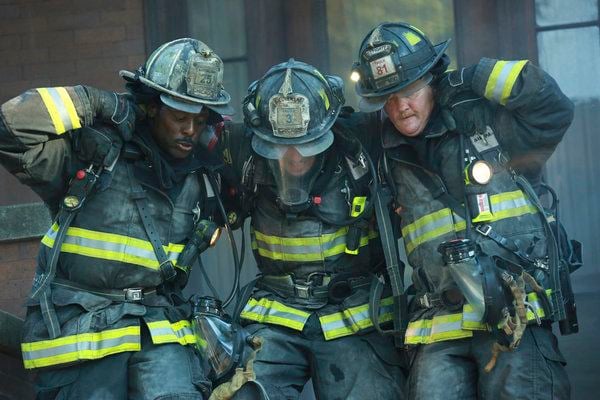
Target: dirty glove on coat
(117, 109)
(99, 144)
(462, 109)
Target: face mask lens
(294, 175)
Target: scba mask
(295, 169)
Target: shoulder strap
(167, 269)
(79, 189)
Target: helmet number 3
(382, 67)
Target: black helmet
(188, 75)
(391, 57)
(293, 104)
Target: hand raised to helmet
(462, 109)
(99, 144)
(117, 109)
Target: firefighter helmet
(391, 57)
(293, 104)
(188, 75)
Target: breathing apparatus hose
(236, 259)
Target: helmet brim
(272, 151)
(372, 104)
(439, 48)
(219, 105)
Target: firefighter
(463, 154)
(106, 317)
(313, 235)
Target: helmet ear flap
(336, 84)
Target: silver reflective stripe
(509, 204)
(354, 321)
(281, 248)
(436, 329)
(61, 108)
(80, 346)
(302, 248)
(119, 248)
(413, 235)
(169, 332)
(273, 312)
(258, 309)
(502, 79)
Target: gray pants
(454, 369)
(352, 367)
(166, 371)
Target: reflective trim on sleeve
(502, 79)
(273, 312)
(61, 109)
(171, 332)
(352, 320)
(306, 249)
(83, 346)
(110, 246)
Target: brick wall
(58, 42)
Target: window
(221, 25)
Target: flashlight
(206, 234)
(480, 172)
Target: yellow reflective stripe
(533, 300)
(412, 38)
(305, 241)
(502, 79)
(354, 319)
(274, 312)
(437, 329)
(510, 80)
(514, 212)
(116, 238)
(428, 227)
(59, 127)
(298, 249)
(109, 246)
(325, 98)
(458, 325)
(60, 108)
(70, 107)
(171, 332)
(431, 226)
(83, 346)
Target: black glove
(346, 142)
(462, 109)
(99, 144)
(117, 109)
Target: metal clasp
(425, 301)
(484, 229)
(134, 294)
(302, 291)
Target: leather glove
(454, 83)
(462, 109)
(117, 109)
(99, 144)
(346, 141)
